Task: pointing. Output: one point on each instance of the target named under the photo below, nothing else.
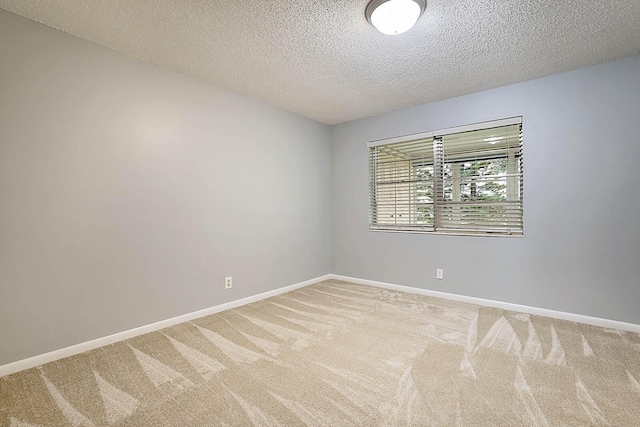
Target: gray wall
(581, 250)
(128, 192)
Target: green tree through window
(457, 182)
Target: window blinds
(466, 180)
(401, 180)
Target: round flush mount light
(394, 17)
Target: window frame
(514, 184)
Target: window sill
(450, 233)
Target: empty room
(319, 213)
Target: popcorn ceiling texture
(322, 59)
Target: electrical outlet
(439, 273)
(228, 283)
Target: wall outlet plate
(439, 273)
(228, 283)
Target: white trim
(120, 336)
(448, 131)
(579, 318)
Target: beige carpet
(340, 354)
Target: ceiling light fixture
(394, 17)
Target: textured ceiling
(323, 60)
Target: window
(466, 180)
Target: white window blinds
(401, 177)
(465, 180)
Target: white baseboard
(120, 336)
(579, 318)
